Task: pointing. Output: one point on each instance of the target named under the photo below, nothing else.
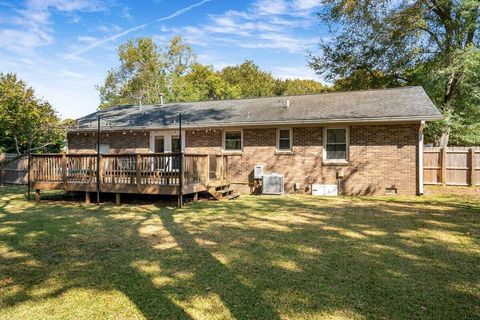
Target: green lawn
(292, 257)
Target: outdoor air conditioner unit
(258, 171)
(273, 184)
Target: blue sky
(63, 48)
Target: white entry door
(166, 141)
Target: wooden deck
(150, 173)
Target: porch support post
(37, 195)
(420, 158)
(195, 197)
(182, 164)
(98, 160)
(117, 199)
(87, 197)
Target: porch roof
(384, 105)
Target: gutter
(266, 123)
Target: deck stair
(223, 192)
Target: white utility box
(324, 190)
(258, 171)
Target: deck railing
(149, 169)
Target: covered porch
(142, 173)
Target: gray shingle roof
(399, 104)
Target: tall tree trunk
(451, 90)
(17, 145)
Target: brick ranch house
(371, 139)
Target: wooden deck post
(181, 179)
(138, 172)
(444, 166)
(87, 197)
(117, 199)
(472, 168)
(195, 197)
(207, 171)
(64, 170)
(37, 195)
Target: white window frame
(347, 142)
(224, 137)
(290, 138)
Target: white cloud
(31, 26)
(306, 4)
(126, 14)
(133, 29)
(269, 7)
(265, 24)
(87, 39)
(299, 72)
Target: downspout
(420, 158)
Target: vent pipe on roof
(288, 104)
(140, 103)
(161, 99)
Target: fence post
(472, 167)
(444, 166)
(2, 175)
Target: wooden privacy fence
(455, 166)
(15, 172)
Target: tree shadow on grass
(257, 258)
(102, 249)
(380, 259)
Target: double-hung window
(336, 144)
(284, 139)
(233, 140)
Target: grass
(292, 257)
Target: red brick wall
(130, 142)
(381, 156)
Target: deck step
(226, 190)
(233, 196)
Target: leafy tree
(386, 43)
(26, 121)
(210, 85)
(298, 86)
(251, 81)
(139, 75)
(147, 71)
